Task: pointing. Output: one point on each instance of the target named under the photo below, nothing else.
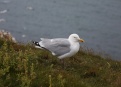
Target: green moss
(24, 66)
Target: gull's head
(75, 38)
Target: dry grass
(25, 66)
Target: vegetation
(24, 66)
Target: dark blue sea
(98, 22)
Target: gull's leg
(63, 63)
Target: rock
(7, 36)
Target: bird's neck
(75, 44)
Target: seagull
(61, 47)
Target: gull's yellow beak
(81, 40)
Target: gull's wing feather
(57, 46)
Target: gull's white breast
(74, 49)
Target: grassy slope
(25, 66)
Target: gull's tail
(37, 45)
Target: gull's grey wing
(57, 46)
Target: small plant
(61, 80)
(50, 81)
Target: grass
(24, 66)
